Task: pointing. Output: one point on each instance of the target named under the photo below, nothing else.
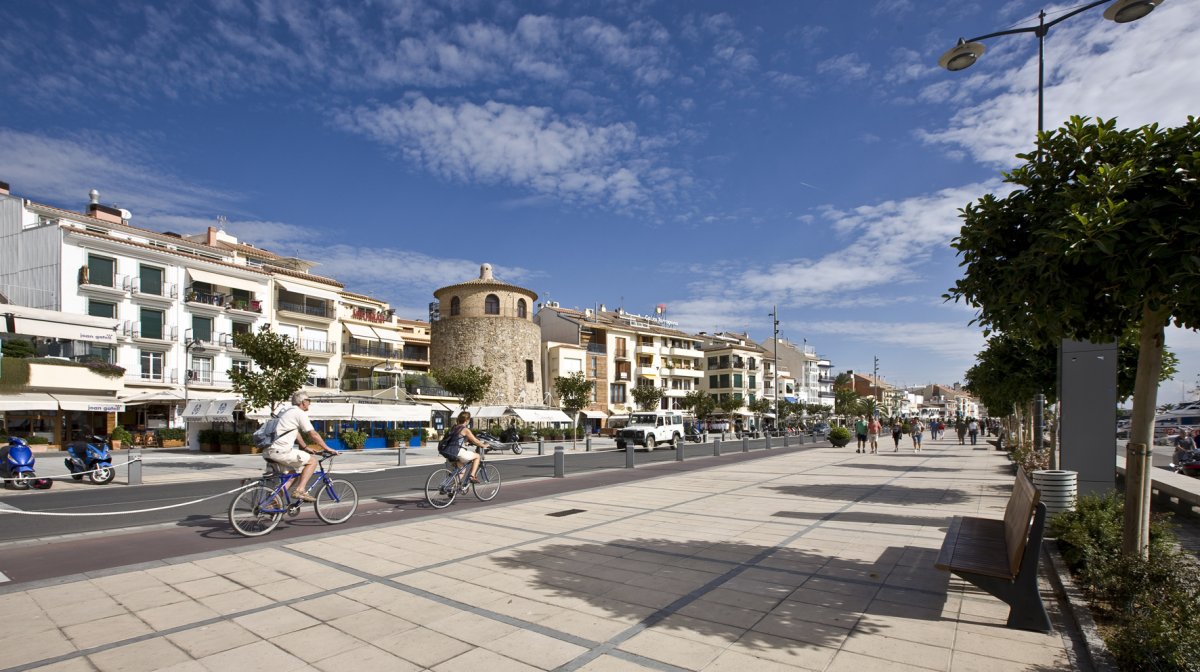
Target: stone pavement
(817, 560)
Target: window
(241, 327)
(202, 328)
(152, 365)
(595, 367)
(101, 271)
(753, 380)
(737, 380)
(712, 363)
(724, 380)
(102, 309)
(242, 365)
(151, 324)
(201, 370)
(529, 370)
(522, 310)
(619, 346)
(713, 381)
(616, 394)
(491, 304)
(318, 375)
(103, 353)
(455, 306)
(150, 280)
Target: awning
(76, 402)
(540, 415)
(306, 290)
(62, 325)
(393, 412)
(595, 414)
(151, 396)
(224, 280)
(790, 399)
(27, 401)
(485, 412)
(316, 411)
(197, 409)
(387, 336)
(361, 331)
(221, 409)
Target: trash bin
(1058, 488)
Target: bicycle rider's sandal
(475, 479)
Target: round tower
(489, 323)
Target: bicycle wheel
(439, 489)
(255, 511)
(489, 482)
(337, 500)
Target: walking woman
(897, 430)
(918, 428)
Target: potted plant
(353, 440)
(210, 440)
(246, 444)
(172, 437)
(398, 437)
(839, 437)
(120, 436)
(229, 443)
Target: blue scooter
(92, 458)
(16, 464)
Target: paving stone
(106, 631)
(151, 654)
(535, 649)
(686, 653)
(206, 640)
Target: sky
(721, 159)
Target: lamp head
(1125, 11)
(962, 56)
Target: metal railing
(317, 310)
(370, 350)
(326, 347)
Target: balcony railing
(206, 298)
(373, 350)
(154, 332)
(597, 348)
(114, 282)
(161, 290)
(169, 376)
(316, 310)
(325, 347)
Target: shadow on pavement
(877, 494)
(211, 464)
(729, 591)
(898, 467)
(868, 518)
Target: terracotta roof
(88, 219)
(178, 253)
(610, 318)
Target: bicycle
(448, 482)
(256, 510)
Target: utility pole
(775, 369)
(875, 385)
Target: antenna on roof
(221, 222)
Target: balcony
(318, 347)
(316, 309)
(160, 292)
(597, 348)
(205, 301)
(159, 333)
(646, 349)
(251, 307)
(169, 377)
(825, 380)
(376, 350)
(113, 285)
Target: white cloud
(846, 66)
(947, 339)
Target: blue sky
(718, 158)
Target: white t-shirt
(973, 426)
(292, 420)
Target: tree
(759, 407)
(700, 403)
(787, 410)
(730, 405)
(574, 392)
(470, 384)
(845, 401)
(18, 348)
(279, 368)
(647, 397)
(1099, 236)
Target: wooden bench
(1001, 556)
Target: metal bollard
(587, 444)
(541, 446)
(135, 466)
(785, 440)
(629, 456)
(402, 456)
(679, 450)
(560, 462)
(768, 438)
(716, 447)
(745, 444)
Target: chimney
(212, 236)
(485, 272)
(102, 212)
(603, 308)
(4, 188)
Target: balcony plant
(120, 436)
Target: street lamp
(966, 52)
(775, 369)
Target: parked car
(820, 428)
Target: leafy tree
(574, 392)
(700, 403)
(730, 404)
(18, 348)
(759, 407)
(1099, 235)
(647, 397)
(787, 411)
(845, 401)
(279, 368)
(470, 383)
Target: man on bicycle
(294, 426)
(453, 446)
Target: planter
(229, 448)
(172, 443)
(115, 444)
(249, 450)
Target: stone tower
(489, 323)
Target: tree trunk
(1136, 537)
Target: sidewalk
(820, 559)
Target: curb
(1098, 655)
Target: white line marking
(3, 578)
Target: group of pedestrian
(867, 431)
(965, 427)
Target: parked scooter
(92, 458)
(496, 444)
(1187, 463)
(16, 464)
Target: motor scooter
(16, 464)
(91, 458)
(494, 443)
(1187, 463)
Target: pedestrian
(973, 430)
(860, 430)
(897, 430)
(918, 430)
(961, 428)
(874, 427)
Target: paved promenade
(817, 560)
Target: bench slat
(975, 545)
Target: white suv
(650, 428)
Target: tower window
(522, 312)
(455, 305)
(491, 305)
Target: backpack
(450, 443)
(267, 434)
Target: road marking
(3, 578)
(10, 507)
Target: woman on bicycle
(453, 446)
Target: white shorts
(295, 458)
(464, 455)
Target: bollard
(402, 456)
(785, 440)
(745, 444)
(716, 447)
(135, 466)
(768, 439)
(541, 446)
(560, 462)
(587, 444)
(679, 450)
(629, 456)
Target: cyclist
(453, 446)
(284, 449)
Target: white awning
(306, 290)
(224, 280)
(63, 325)
(393, 412)
(151, 396)
(595, 414)
(221, 409)
(330, 411)
(76, 402)
(540, 414)
(197, 409)
(388, 336)
(487, 412)
(27, 401)
(361, 331)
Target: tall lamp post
(775, 369)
